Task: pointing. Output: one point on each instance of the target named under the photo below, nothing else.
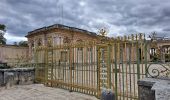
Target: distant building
(160, 49)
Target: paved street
(40, 92)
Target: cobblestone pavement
(40, 92)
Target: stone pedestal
(145, 90)
(20, 76)
(154, 89)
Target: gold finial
(132, 36)
(136, 36)
(103, 31)
(140, 36)
(125, 38)
(128, 37)
(118, 37)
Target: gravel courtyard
(40, 92)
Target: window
(79, 49)
(89, 49)
(64, 56)
(80, 55)
(39, 42)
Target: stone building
(160, 50)
(57, 34)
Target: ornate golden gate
(89, 67)
(69, 66)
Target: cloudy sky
(119, 16)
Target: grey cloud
(130, 16)
(166, 29)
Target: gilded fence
(88, 67)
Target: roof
(61, 27)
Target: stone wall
(12, 54)
(154, 89)
(17, 76)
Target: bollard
(107, 95)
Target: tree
(2, 27)
(23, 43)
(2, 32)
(15, 43)
(152, 36)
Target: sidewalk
(40, 92)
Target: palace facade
(57, 35)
